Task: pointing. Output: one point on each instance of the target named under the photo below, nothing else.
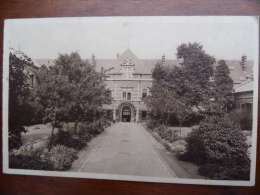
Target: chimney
(163, 59)
(243, 62)
(93, 60)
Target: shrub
(61, 157)
(28, 158)
(166, 133)
(68, 139)
(218, 143)
(96, 127)
(151, 124)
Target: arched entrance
(126, 114)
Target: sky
(148, 37)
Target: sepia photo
(154, 99)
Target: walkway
(124, 148)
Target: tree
(197, 68)
(19, 95)
(223, 87)
(157, 101)
(178, 90)
(71, 90)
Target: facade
(128, 87)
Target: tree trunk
(51, 138)
(167, 118)
(76, 127)
(180, 128)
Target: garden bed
(183, 169)
(40, 151)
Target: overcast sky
(147, 37)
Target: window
(124, 95)
(32, 80)
(109, 93)
(144, 94)
(247, 107)
(144, 114)
(128, 96)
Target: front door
(126, 114)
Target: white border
(5, 96)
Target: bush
(166, 133)
(78, 140)
(28, 158)
(68, 139)
(152, 124)
(216, 171)
(218, 143)
(61, 157)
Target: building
(129, 78)
(244, 96)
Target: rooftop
(145, 66)
(245, 87)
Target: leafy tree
(71, 90)
(19, 96)
(157, 101)
(179, 90)
(197, 68)
(223, 87)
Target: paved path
(124, 148)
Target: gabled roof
(142, 66)
(245, 87)
(237, 74)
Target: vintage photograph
(154, 99)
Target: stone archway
(127, 112)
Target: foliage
(223, 88)
(71, 90)
(59, 158)
(166, 133)
(218, 142)
(28, 158)
(67, 139)
(180, 90)
(62, 157)
(197, 68)
(20, 109)
(84, 134)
